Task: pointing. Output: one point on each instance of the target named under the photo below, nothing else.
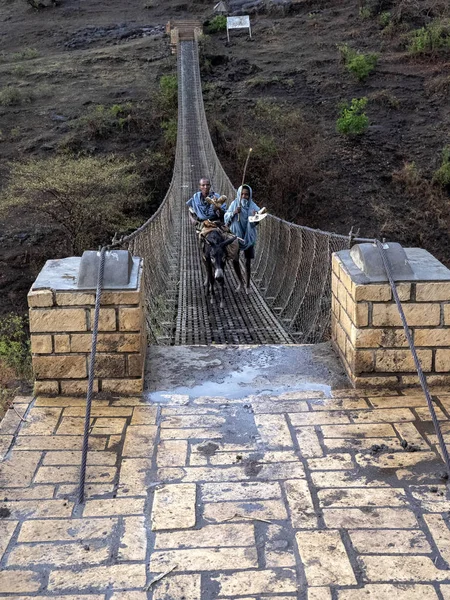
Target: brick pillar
(367, 330)
(61, 320)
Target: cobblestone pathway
(293, 496)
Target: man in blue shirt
(205, 205)
(208, 206)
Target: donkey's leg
(210, 275)
(222, 293)
(209, 281)
(205, 280)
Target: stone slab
(210, 536)
(256, 582)
(104, 577)
(324, 558)
(174, 507)
(204, 559)
(62, 275)
(425, 267)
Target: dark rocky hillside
(279, 93)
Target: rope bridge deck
(291, 299)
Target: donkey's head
(216, 248)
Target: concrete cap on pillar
(117, 273)
(368, 259)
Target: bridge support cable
(87, 419)
(422, 378)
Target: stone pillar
(367, 330)
(61, 320)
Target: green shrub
(166, 99)
(266, 146)
(165, 105)
(155, 169)
(218, 23)
(385, 18)
(439, 86)
(357, 63)
(12, 96)
(442, 175)
(277, 116)
(15, 345)
(20, 71)
(100, 122)
(431, 39)
(362, 65)
(90, 198)
(365, 12)
(170, 127)
(25, 54)
(15, 133)
(353, 120)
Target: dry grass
(286, 148)
(7, 377)
(434, 211)
(439, 87)
(385, 98)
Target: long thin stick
(243, 180)
(158, 578)
(10, 404)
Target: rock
(56, 117)
(113, 33)
(21, 236)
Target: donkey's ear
(228, 241)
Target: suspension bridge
(290, 299)
(275, 490)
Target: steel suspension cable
(422, 378)
(87, 421)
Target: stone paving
(281, 497)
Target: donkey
(215, 256)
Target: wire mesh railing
(158, 242)
(293, 270)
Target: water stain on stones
(252, 468)
(4, 512)
(208, 448)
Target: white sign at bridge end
(239, 23)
